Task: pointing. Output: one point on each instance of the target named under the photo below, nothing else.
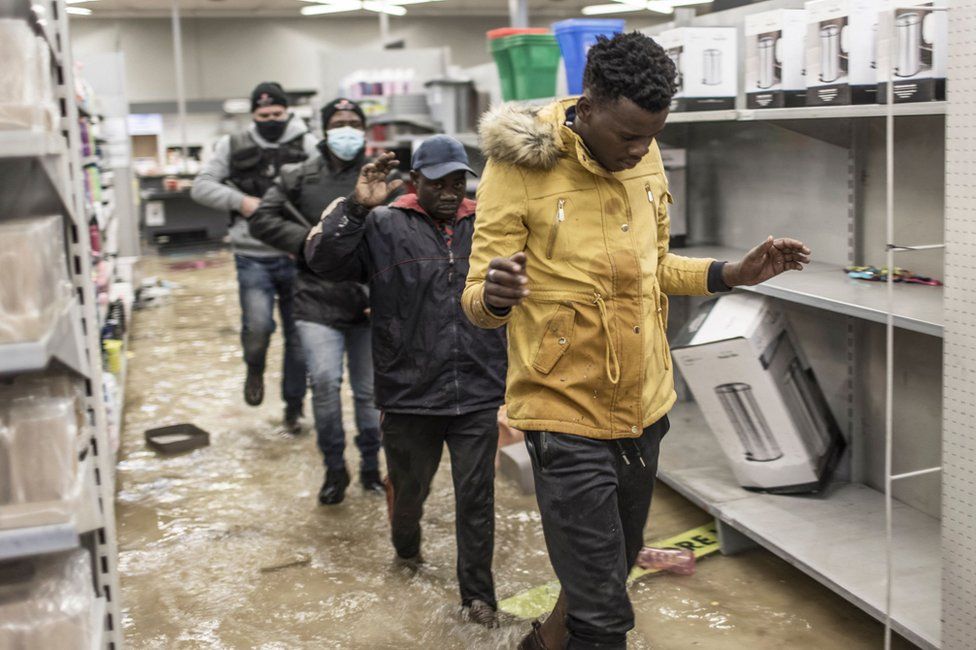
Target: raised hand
(372, 186)
(506, 282)
(767, 260)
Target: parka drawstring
(613, 363)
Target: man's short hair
(632, 66)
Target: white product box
(675, 166)
(775, 58)
(705, 58)
(912, 44)
(841, 48)
(758, 395)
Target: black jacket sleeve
(272, 223)
(336, 248)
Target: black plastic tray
(176, 438)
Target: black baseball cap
(438, 156)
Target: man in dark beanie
(241, 169)
(332, 317)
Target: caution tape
(539, 601)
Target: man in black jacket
(438, 378)
(331, 317)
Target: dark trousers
(413, 446)
(594, 496)
(259, 280)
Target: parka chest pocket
(556, 339)
(559, 216)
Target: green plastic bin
(527, 65)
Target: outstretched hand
(506, 282)
(372, 186)
(767, 260)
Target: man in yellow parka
(570, 250)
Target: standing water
(227, 547)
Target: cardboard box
(912, 45)
(775, 58)
(841, 48)
(705, 58)
(759, 395)
(675, 166)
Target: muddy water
(226, 547)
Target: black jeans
(594, 496)
(413, 445)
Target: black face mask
(272, 130)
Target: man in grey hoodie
(242, 168)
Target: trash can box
(759, 395)
(575, 37)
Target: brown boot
(534, 640)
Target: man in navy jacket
(438, 378)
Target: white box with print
(759, 395)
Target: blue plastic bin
(575, 37)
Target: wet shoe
(483, 614)
(371, 481)
(411, 564)
(334, 489)
(254, 387)
(293, 416)
(534, 640)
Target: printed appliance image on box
(841, 50)
(775, 58)
(759, 395)
(916, 36)
(705, 61)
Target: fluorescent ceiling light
(78, 11)
(599, 10)
(383, 8)
(660, 6)
(628, 6)
(319, 8)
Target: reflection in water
(227, 547)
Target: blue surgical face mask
(345, 142)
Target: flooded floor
(203, 536)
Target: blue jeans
(324, 348)
(259, 280)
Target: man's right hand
(506, 284)
(249, 205)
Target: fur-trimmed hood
(524, 136)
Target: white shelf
(50, 149)
(835, 538)
(98, 624)
(809, 113)
(55, 537)
(63, 341)
(824, 286)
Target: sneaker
(411, 564)
(533, 640)
(334, 489)
(293, 416)
(483, 614)
(371, 481)
(254, 387)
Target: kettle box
(775, 58)
(758, 394)
(841, 52)
(912, 45)
(705, 60)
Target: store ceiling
(255, 8)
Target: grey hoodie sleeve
(208, 187)
(311, 145)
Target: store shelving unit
(41, 174)
(821, 174)
(825, 286)
(833, 537)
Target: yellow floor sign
(539, 601)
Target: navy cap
(438, 156)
